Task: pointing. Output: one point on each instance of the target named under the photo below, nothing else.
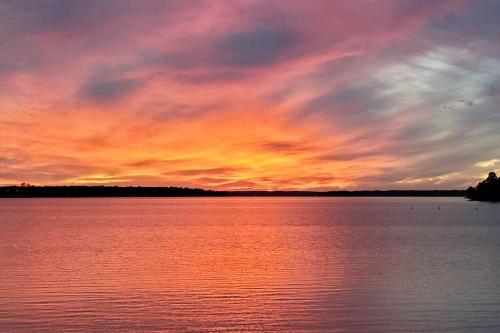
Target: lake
(249, 265)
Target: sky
(250, 94)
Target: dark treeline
(374, 193)
(487, 190)
(29, 191)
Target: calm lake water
(249, 265)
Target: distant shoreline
(138, 191)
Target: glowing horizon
(247, 94)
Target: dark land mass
(487, 190)
(28, 191)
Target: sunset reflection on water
(245, 264)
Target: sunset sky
(250, 94)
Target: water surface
(249, 265)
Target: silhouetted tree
(487, 190)
(492, 178)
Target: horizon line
(62, 191)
